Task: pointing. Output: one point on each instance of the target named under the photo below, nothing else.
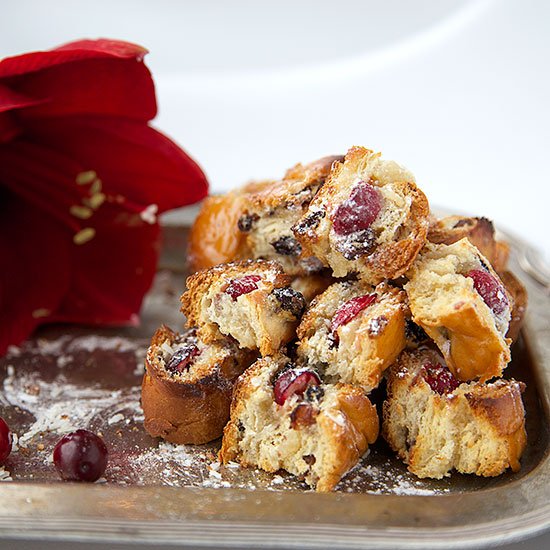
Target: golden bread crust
(445, 304)
(194, 409)
(475, 429)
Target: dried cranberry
(439, 378)
(80, 456)
(293, 382)
(359, 211)
(244, 285)
(302, 416)
(348, 311)
(287, 246)
(182, 358)
(490, 289)
(5, 441)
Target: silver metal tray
(156, 493)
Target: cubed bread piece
(369, 218)
(268, 216)
(437, 424)
(283, 417)
(250, 301)
(354, 331)
(479, 231)
(215, 237)
(459, 300)
(187, 387)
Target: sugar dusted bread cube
(187, 386)
(437, 424)
(369, 218)
(269, 214)
(284, 417)
(461, 303)
(354, 331)
(251, 301)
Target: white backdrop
(458, 91)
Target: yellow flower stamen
(84, 235)
(40, 312)
(95, 201)
(96, 186)
(84, 178)
(81, 212)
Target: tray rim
(82, 516)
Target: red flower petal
(68, 53)
(105, 77)
(10, 99)
(35, 268)
(134, 167)
(138, 165)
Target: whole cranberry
(80, 456)
(5, 441)
(293, 381)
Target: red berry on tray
(80, 456)
(439, 378)
(489, 289)
(293, 381)
(348, 311)
(5, 441)
(244, 285)
(359, 211)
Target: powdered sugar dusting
(57, 385)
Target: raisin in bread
(479, 231)
(283, 417)
(369, 218)
(269, 215)
(250, 301)
(459, 300)
(436, 423)
(354, 331)
(187, 386)
(215, 237)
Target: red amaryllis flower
(82, 178)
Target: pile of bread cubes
(313, 290)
